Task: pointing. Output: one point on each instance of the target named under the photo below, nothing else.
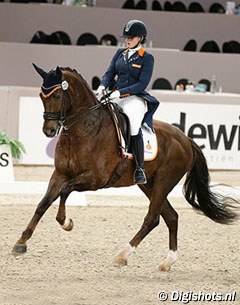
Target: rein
(61, 116)
(105, 100)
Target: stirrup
(139, 176)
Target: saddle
(122, 124)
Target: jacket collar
(141, 51)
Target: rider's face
(131, 42)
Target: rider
(133, 68)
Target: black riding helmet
(135, 28)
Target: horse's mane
(78, 75)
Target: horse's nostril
(52, 131)
(49, 132)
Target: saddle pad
(150, 144)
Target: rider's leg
(135, 108)
(138, 153)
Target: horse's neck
(81, 100)
(80, 93)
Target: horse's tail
(198, 193)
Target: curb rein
(61, 116)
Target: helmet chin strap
(138, 44)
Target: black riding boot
(138, 153)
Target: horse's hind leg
(157, 207)
(50, 196)
(170, 217)
(150, 222)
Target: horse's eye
(57, 96)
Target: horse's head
(52, 91)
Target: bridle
(61, 115)
(56, 116)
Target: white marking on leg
(122, 257)
(66, 224)
(127, 251)
(168, 261)
(171, 257)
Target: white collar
(132, 51)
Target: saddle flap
(122, 124)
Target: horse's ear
(40, 71)
(59, 72)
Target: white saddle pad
(150, 144)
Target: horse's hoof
(120, 261)
(164, 267)
(19, 249)
(68, 224)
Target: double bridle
(61, 115)
(56, 116)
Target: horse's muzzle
(50, 128)
(50, 133)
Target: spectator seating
(156, 6)
(195, 7)
(162, 83)
(183, 82)
(59, 37)
(179, 6)
(129, 4)
(210, 46)
(191, 45)
(231, 47)
(217, 8)
(167, 6)
(141, 5)
(205, 82)
(108, 39)
(87, 39)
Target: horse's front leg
(78, 183)
(65, 223)
(50, 196)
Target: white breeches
(135, 108)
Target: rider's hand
(100, 92)
(115, 95)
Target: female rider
(132, 67)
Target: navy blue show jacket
(131, 76)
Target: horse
(87, 158)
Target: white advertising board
(6, 164)
(215, 127)
(39, 148)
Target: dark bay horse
(87, 158)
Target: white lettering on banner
(215, 128)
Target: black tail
(198, 193)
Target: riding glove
(115, 95)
